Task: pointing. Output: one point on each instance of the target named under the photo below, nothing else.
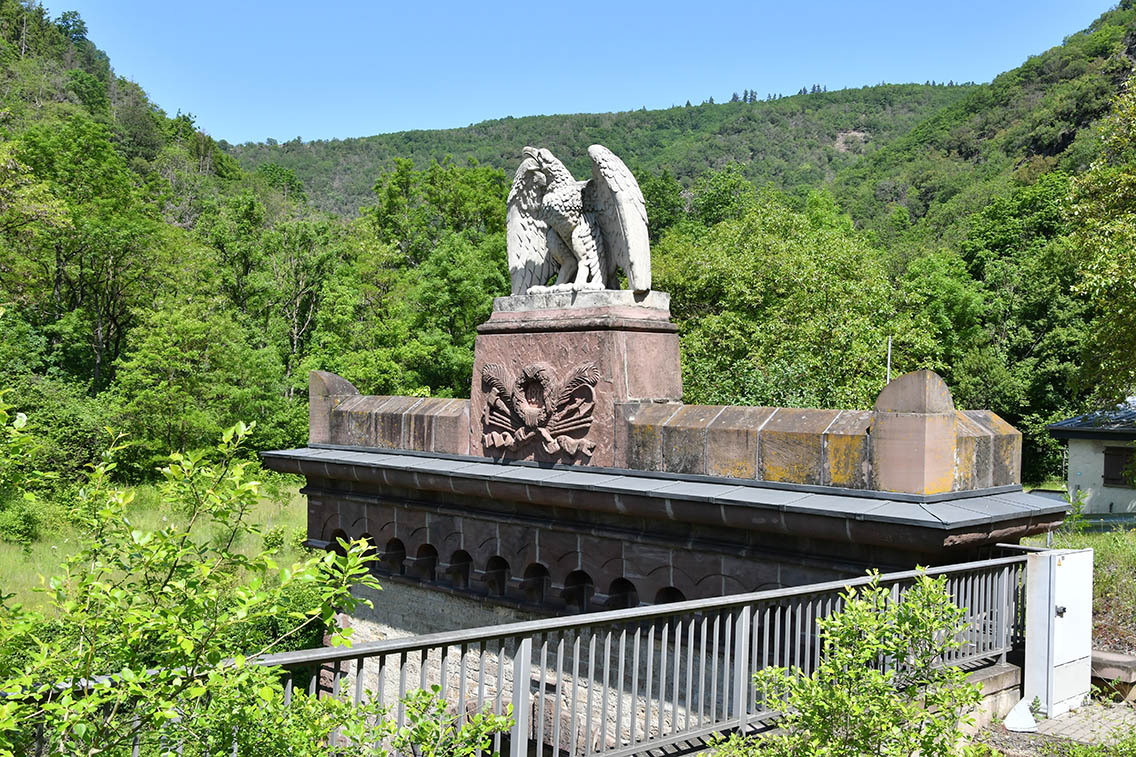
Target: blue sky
(248, 71)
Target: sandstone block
(913, 436)
(1006, 458)
(645, 435)
(451, 428)
(791, 445)
(684, 438)
(974, 457)
(731, 441)
(846, 454)
(627, 353)
(325, 392)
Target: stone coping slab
(601, 298)
(1114, 666)
(973, 510)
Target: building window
(1117, 466)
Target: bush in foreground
(881, 687)
(141, 639)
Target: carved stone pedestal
(550, 369)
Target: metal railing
(627, 681)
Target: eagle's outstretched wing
(615, 198)
(527, 244)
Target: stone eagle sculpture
(583, 231)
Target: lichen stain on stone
(643, 439)
(846, 455)
(732, 469)
(964, 462)
(941, 484)
(792, 473)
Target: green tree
(1027, 363)
(97, 265)
(283, 179)
(1103, 215)
(27, 204)
(192, 372)
(724, 195)
(784, 308)
(665, 205)
(155, 609)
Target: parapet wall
(339, 414)
(914, 441)
(817, 447)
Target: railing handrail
(606, 617)
(1023, 548)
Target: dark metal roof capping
(964, 510)
(1118, 423)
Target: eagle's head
(546, 163)
(533, 164)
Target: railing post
(522, 698)
(1005, 613)
(742, 644)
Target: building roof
(958, 510)
(1118, 423)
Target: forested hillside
(150, 283)
(788, 142)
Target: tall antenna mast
(889, 359)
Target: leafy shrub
(273, 539)
(854, 703)
(171, 614)
(162, 610)
(19, 522)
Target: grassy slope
(1114, 584)
(23, 571)
(794, 142)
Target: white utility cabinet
(1059, 628)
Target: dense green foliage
(789, 142)
(153, 285)
(1104, 236)
(766, 320)
(145, 643)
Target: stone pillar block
(550, 369)
(731, 441)
(451, 428)
(1006, 453)
(643, 424)
(684, 439)
(913, 436)
(846, 453)
(353, 421)
(325, 392)
(974, 463)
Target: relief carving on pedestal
(536, 404)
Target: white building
(1100, 457)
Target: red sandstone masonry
(340, 415)
(926, 448)
(910, 451)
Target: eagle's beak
(531, 152)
